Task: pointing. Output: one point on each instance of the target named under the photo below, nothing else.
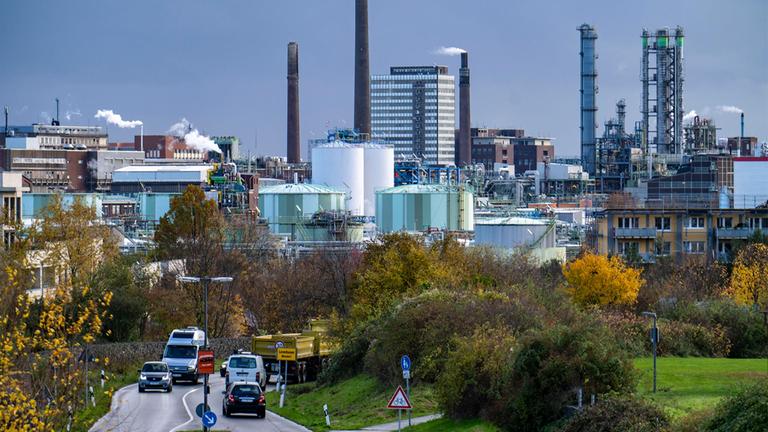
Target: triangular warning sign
(399, 400)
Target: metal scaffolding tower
(663, 115)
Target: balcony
(638, 233)
(734, 233)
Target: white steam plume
(730, 109)
(449, 51)
(689, 116)
(192, 137)
(116, 119)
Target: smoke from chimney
(192, 137)
(293, 137)
(362, 69)
(449, 51)
(465, 139)
(116, 119)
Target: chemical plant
(663, 184)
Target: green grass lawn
(686, 385)
(354, 403)
(442, 425)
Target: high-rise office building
(413, 108)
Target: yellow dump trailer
(304, 353)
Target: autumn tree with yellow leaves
(41, 381)
(601, 280)
(749, 280)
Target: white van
(246, 367)
(181, 353)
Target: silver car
(155, 375)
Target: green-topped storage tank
(418, 207)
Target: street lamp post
(654, 341)
(204, 280)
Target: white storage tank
(288, 204)
(513, 232)
(379, 173)
(417, 207)
(341, 166)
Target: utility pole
(654, 341)
(205, 280)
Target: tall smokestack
(362, 69)
(294, 146)
(465, 138)
(588, 98)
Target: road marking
(186, 407)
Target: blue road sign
(200, 408)
(405, 362)
(209, 419)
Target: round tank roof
(511, 220)
(420, 188)
(300, 188)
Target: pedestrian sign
(405, 362)
(399, 400)
(209, 419)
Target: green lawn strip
(355, 403)
(85, 417)
(686, 385)
(449, 425)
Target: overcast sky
(222, 64)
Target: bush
(615, 413)
(348, 360)
(426, 328)
(678, 338)
(744, 328)
(553, 363)
(743, 412)
(469, 383)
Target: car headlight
(142, 377)
(190, 368)
(166, 377)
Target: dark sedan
(244, 397)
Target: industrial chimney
(465, 135)
(294, 147)
(362, 69)
(588, 98)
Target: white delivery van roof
(187, 336)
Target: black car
(244, 397)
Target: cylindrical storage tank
(513, 232)
(417, 207)
(379, 173)
(341, 166)
(288, 204)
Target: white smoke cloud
(689, 116)
(116, 119)
(730, 109)
(449, 51)
(72, 113)
(192, 137)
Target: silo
(342, 166)
(513, 232)
(417, 207)
(288, 204)
(379, 174)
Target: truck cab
(181, 353)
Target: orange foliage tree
(600, 280)
(749, 280)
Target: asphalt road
(155, 411)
